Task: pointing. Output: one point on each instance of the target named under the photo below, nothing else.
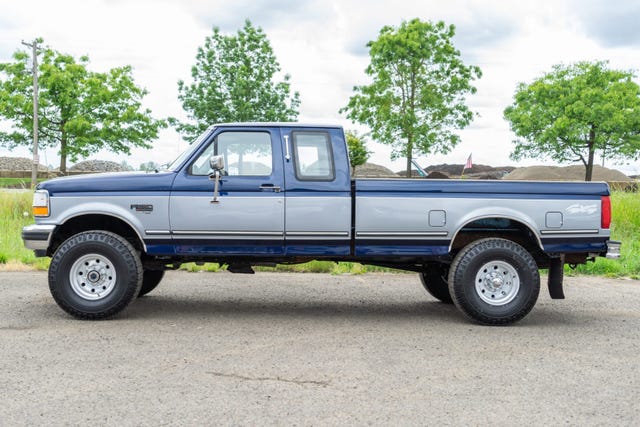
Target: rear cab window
(313, 156)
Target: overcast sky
(322, 44)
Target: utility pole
(36, 160)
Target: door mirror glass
(216, 163)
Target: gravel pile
(18, 164)
(371, 170)
(98, 166)
(446, 170)
(454, 170)
(567, 173)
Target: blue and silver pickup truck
(248, 194)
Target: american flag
(469, 163)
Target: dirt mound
(18, 164)
(98, 166)
(566, 173)
(371, 170)
(476, 172)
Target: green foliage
(149, 166)
(80, 111)
(574, 111)
(358, 153)
(126, 166)
(192, 267)
(416, 99)
(233, 81)
(3, 258)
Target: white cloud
(322, 45)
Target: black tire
(494, 281)
(150, 280)
(434, 280)
(95, 274)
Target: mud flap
(556, 274)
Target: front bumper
(613, 249)
(37, 237)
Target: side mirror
(216, 163)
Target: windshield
(173, 166)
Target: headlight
(40, 203)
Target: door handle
(271, 187)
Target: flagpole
(467, 165)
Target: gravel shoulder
(309, 349)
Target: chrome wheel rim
(92, 277)
(497, 283)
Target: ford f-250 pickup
(249, 194)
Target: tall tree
(234, 80)
(574, 111)
(358, 152)
(80, 111)
(417, 97)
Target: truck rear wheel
(434, 280)
(95, 274)
(150, 280)
(494, 281)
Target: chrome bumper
(37, 237)
(613, 249)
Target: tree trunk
(409, 156)
(591, 143)
(63, 154)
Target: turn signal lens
(605, 210)
(40, 211)
(40, 203)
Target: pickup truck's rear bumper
(37, 237)
(613, 249)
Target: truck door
(249, 216)
(318, 192)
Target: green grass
(15, 213)
(17, 182)
(307, 267)
(625, 227)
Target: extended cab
(263, 193)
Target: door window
(245, 154)
(313, 156)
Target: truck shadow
(165, 307)
(175, 307)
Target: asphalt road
(315, 349)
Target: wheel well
(501, 227)
(94, 222)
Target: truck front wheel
(494, 281)
(434, 280)
(95, 274)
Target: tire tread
(125, 250)
(462, 262)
